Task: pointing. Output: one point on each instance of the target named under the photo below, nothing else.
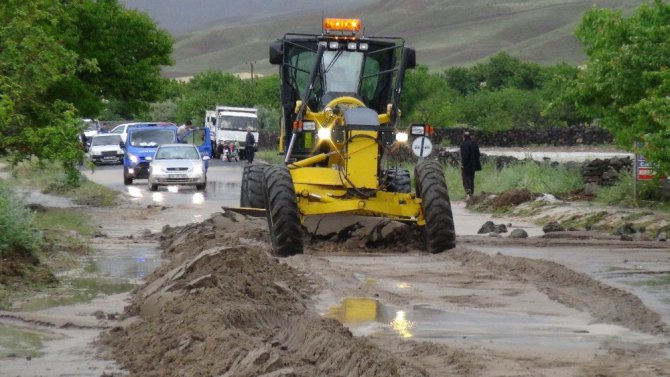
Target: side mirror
(148, 158)
(276, 52)
(205, 158)
(122, 145)
(411, 58)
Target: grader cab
(339, 118)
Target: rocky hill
(444, 32)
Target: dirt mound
(223, 307)
(511, 198)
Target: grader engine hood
(361, 128)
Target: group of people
(250, 141)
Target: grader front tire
(282, 212)
(431, 187)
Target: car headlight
(134, 159)
(401, 137)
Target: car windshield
(90, 125)
(177, 153)
(230, 122)
(106, 140)
(151, 137)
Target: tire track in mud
(573, 289)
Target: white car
(105, 148)
(122, 129)
(178, 164)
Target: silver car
(178, 164)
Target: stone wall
(519, 137)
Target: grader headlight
(401, 137)
(324, 133)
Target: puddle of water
(131, 262)
(365, 316)
(110, 270)
(21, 343)
(75, 291)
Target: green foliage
(18, 235)
(500, 94)
(626, 80)
(622, 193)
(209, 89)
(501, 109)
(59, 60)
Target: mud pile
(222, 307)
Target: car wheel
(431, 187)
(126, 179)
(153, 187)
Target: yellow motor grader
(339, 117)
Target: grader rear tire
(282, 212)
(397, 180)
(431, 187)
(252, 194)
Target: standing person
(183, 129)
(470, 163)
(249, 145)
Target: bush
(18, 236)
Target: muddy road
(363, 300)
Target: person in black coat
(470, 163)
(249, 146)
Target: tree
(62, 59)
(626, 80)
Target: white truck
(229, 124)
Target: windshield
(368, 75)
(342, 70)
(177, 153)
(106, 140)
(231, 122)
(151, 137)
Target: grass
(622, 194)
(270, 156)
(536, 178)
(64, 229)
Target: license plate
(109, 158)
(176, 175)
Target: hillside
(444, 32)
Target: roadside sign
(422, 147)
(644, 170)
